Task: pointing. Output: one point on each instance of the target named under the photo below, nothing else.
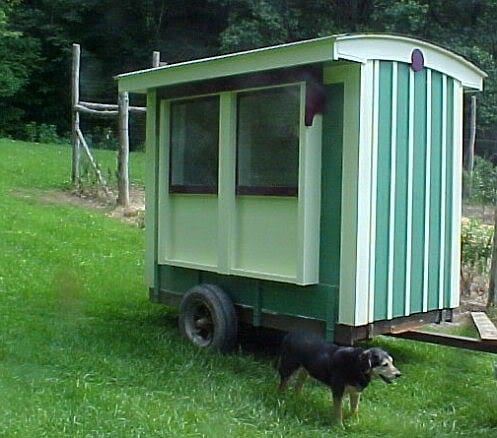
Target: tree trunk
(76, 54)
(470, 150)
(123, 155)
(492, 292)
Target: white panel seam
(443, 194)
(374, 182)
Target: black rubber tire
(208, 319)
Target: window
(194, 145)
(268, 125)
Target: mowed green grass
(83, 353)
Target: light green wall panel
(266, 236)
(418, 195)
(383, 190)
(193, 229)
(401, 191)
(435, 194)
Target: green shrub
(41, 133)
(48, 134)
(484, 182)
(476, 244)
(476, 253)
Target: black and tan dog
(346, 370)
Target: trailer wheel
(207, 318)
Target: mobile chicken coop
(312, 185)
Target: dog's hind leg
(286, 370)
(302, 375)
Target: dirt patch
(95, 200)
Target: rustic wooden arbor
(121, 110)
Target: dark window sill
(200, 190)
(267, 190)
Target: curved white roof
(349, 47)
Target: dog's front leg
(337, 408)
(355, 397)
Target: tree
(18, 58)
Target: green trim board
(151, 187)
(263, 296)
(331, 185)
(348, 77)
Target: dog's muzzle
(392, 377)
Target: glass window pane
(268, 141)
(194, 145)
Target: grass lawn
(83, 353)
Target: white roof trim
(360, 48)
(350, 47)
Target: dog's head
(378, 363)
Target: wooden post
(156, 59)
(76, 55)
(492, 286)
(123, 154)
(93, 163)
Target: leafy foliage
(481, 184)
(120, 35)
(476, 244)
(484, 182)
(476, 253)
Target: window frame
(288, 191)
(192, 188)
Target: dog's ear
(365, 360)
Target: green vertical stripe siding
(418, 196)
(331, 185)
(426, 139)
(383, 190)
(400, 235)
(449, 190)
(435, 190)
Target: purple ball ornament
(417, 60)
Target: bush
(41, 133)
(476, 253)
(484, 182)
(476, 243)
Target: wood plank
(486, 328)
(450, 340)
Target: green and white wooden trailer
(312, 185)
